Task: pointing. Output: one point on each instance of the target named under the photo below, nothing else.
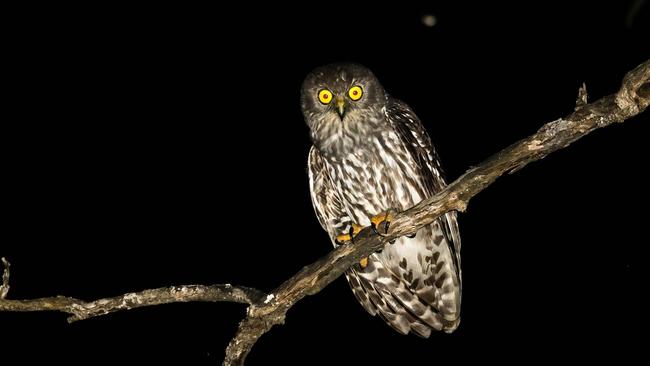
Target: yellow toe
(381, 217)
(364, 262)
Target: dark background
(155, 146)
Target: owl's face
(343, 105)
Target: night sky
(156, 146)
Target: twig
(81, 310)
(4, 289)
(582, 99)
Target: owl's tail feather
(405, 308)
(387, 308)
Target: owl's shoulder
(402, 117)
(414, 135)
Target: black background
(155, 146)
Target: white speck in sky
(429, 20)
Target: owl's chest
(383, 175)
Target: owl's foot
(381, 222)
(349, 236)
(341, 239)
(363, 263)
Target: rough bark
(80, 310)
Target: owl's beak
(340, 107)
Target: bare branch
(268, 310)
(81, 310)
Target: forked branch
(267, 310)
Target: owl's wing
(333, 218)
(422, 274)
(413, 133)
(328, 206)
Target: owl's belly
(375, 180)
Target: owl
(371, 156)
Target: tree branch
(81, 310)
(266, 311)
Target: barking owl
(371, 155)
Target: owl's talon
(392, 241)
(411, 236)
(382, 221)
(363, 263)
(349, 236)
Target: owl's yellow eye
(355, 92)
(325, 96)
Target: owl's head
(344, 105)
